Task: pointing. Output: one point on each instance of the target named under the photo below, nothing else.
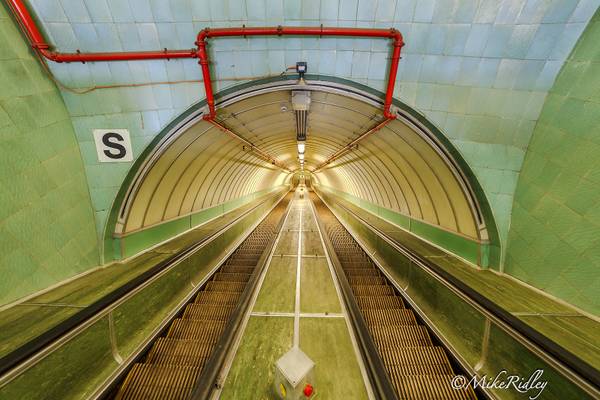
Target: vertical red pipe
(31, 30)
(389, 94)
(203, 61)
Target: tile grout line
(298, 274)
(293, 315)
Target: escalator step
(380, 302)
(232, 269)
(206, 331)
(366, 280)
(362, 272)
(160, 382)
(432, 387)
(373, 290)
(225, 286)
(214, 312)
(218, 298)
(190, 353)
(389, 317)
(424, 360)
(400, 336)
(226, 277)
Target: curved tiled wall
(47, 230)
(553, 241)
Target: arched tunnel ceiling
(480, 70)
(202, 167)
(397, 167)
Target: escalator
(176, 361)
(417, 368)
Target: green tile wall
(135, 242)
(469, 249)
(47, 229)
(554, 241)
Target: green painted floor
(278, 289)
(318, 294)
(324, 338)
(326, 342)
(265, 340)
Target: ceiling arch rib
(399, 167)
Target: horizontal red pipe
(299, 31)
(39, 43)
(119, 56)
(207, 33)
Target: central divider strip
(293, 315)
(298, 270)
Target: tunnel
(272, 199)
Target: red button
(308, 390)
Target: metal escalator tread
(246, 262)
(390, 317)
(155, 381)
(400, 336)
(174, 362)
(217, 297)
(231, 277)
(372, 290)
(224, 286)
(431, 387)
(197, 329)
(208, 311)
(379, 302)
(237, 269)
(179, 352)
(361, 272)
(366, 280)
(417, 368)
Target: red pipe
(207, 33)
(39, 44)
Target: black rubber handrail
(567, 358)
(208, 379)
(30, 348)
(378, 375)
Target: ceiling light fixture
(301, 147)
